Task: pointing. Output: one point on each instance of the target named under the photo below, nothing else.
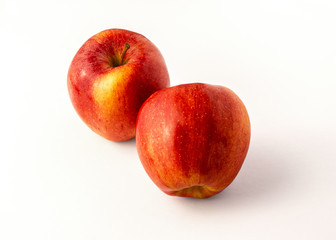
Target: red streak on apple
(192, 139)
(110, 77)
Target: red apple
(192, 139)
(111, 76)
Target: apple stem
(126, 47)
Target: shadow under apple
(265, 174)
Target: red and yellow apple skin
(192, 139)
(111, 76)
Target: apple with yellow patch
(111, 76)
(192, 139)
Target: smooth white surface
(59, 180)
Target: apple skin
(107, 87)
(192, 139)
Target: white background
(59, 180)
